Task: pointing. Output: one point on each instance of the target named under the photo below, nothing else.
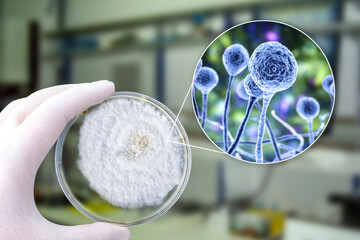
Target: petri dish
(131, 181)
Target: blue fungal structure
(332, 90)
(254, 92)
(326, 83)
(197, 70)
(198, 67)
(206, 79)
(235, 59)
(245, 90)
(241, 92)
(272, 68)
(329, 86)
(308, 109)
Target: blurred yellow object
(275, 218)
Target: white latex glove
(29, 127)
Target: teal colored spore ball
(206, 79)
(273, 67)
(308, 108)
(235, 59)
(251, 88)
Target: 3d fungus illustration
(125, 154)
(273, 68)
(205, 81)
(197, 70)
(235, 59)
(241, 91)
(329, 86)
(308, 108)
(279, 71)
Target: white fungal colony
(125, 153)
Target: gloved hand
(28, 129)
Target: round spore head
(240, 91)
(326, 83)
(273, 67)
(308, 108)
(251, 88)
(206, 79)
(235, 59)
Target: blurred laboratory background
(152, 47)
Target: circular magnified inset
(263, 91)
(124, 161)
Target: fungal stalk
(294, 135)
(308, 108)
(235, 59)
(241, 92)
(254, 93)
(273, 68)
(196, 109)
(322, 123)
(204, 110)
(293, 132)
(239, 150)
(260, 137)
(242, 125)
(205, 81)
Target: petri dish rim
(166, 205)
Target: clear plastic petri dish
(88, 195)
